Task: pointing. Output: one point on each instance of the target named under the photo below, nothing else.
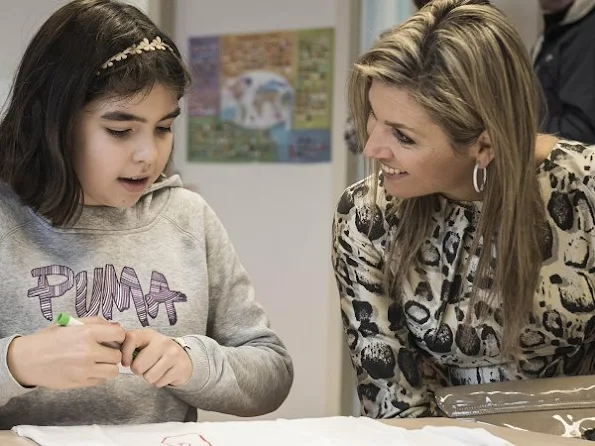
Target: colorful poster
(261, 97)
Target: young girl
(90, 225)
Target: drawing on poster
(261, 97)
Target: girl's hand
(67, 357)
(161, 361)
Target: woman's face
(415, 154)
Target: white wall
(4, 87)
(279, 215)
(19, 21)
(378, 16)
(524, 16)
(17, 26)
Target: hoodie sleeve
(9, 387)
(242, 367)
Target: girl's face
(123, 145)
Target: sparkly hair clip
(143, 45)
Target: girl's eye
(164, 130)
(119, 133)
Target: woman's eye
(403, 139)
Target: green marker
(65, 320)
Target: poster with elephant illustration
(261, 97)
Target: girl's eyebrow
(123, 116)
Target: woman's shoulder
(569, 165)
(567, 183)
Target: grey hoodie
(166, 264)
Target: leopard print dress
(402, 351)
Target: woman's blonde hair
(468, 68)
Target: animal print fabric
(401, 352)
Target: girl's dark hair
(61, 72)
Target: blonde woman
(468, 254)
